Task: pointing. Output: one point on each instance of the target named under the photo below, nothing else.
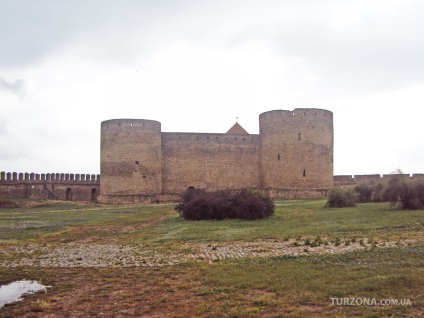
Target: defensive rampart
(50, 186)
(86, 187)
(351, 180)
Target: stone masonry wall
(52, 186)
(209, 161)
(297, 149)
(130, 162)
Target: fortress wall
(296, 149)
(343, 180)
(209, 161)
(53, 186)
(373, 178)
(369, 178)
(130, 157)
(418, 176)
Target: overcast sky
(195, 66)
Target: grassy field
(390, 266)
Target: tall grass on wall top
(202, 205)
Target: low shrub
(369, 192)
(405, 194)
(364, 193)
(202, 205)
(341, 198)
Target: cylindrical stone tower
(296, 149)
(130, 158)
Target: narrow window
(69, 194)
(93, 194)
(299, 136)
(304, 172)
(278, 156)
(137, 162)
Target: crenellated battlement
(298, 112)
(25, 177)
(210, 137)
(50, 186)
(373, 178)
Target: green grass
(294, 286)
(60, 218)
(161, 224)
(295, 218)
(283, 286)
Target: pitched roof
(237, 130)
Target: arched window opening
(278, 156)
(304, 172)
(93, 194)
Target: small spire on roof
(237, 130)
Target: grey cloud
(33, 30)
(377, 51)
(15, 87)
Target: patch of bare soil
(107, 292)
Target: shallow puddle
(14, 291)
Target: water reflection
(13, 291)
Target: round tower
(130, 159)
(296, 149)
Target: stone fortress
(292, 156)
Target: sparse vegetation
(271, 286)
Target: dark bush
(341, 198)
(201, 205)
(364, 193)
(405, 194)
(377, 195)
(369, 193)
